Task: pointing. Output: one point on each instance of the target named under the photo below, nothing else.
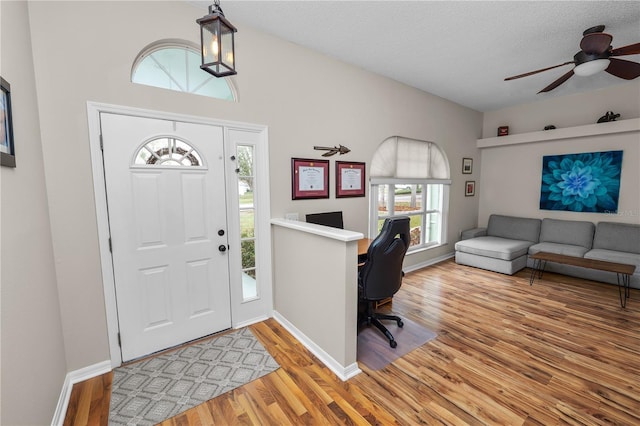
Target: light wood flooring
(560, 352)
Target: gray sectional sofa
(504, 245)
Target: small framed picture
(503, 130)
(350, 179)
(470, 188)
(467, 166)
(7, 150)
(309, 178)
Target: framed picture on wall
(470, 188)
(350, 179)
(7, 151)
(467, 166)
(309, 178)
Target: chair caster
(400, 323)
(393, 343)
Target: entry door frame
(264, 306)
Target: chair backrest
(381, 275)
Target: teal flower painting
(588, 182)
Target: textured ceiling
(459, 50)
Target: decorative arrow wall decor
(332, 150)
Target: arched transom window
(175, 65)
(410, 177)
(168, 152)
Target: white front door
(165, 185)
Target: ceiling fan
(596, 55)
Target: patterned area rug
(153, 390)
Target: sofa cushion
(509, 267)
(573, 232)
(496, 247)
(615, 256)
(624, 237)
(566, 249)
(514, 228)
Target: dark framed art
(467, 166)
(470, 188)
(350, 179)
(7, 150)
(586, 182)
(309, 178)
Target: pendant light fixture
(217, 43)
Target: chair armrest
(472, 233)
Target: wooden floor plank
(562, 351)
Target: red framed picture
(350, 179)
(309, 178)
(470, 188)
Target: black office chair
(381, 275)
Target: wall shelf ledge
(612, 127)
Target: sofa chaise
(507, 241)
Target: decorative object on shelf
(549, 127)
(470, 188)
(503, 130)
(350, 179)
(217, 44)
(332, 150)
(595, 55)
(467, 166)
(7, 151)
(586, 182)
(309, 178)
(609, 116)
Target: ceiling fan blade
(537, 71)
(558, 82)
(623, 69)
(595, 43)
(632, 49)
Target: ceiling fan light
(592, 67)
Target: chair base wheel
(400, 324)
(393, 343)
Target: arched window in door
(175, 65)
(168, 152)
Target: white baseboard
(250, 322)
(429, 262)
(344, 373)
(71, 379)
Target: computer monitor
(333, 219)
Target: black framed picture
(467, 166)
(7, 150)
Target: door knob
(222, 248)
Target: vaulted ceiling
(459, 50)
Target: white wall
(511, 175)
(84, 51)
(33, 360)
(566, 111)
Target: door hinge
(119, 340)
(110, 246)
(101, 143)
